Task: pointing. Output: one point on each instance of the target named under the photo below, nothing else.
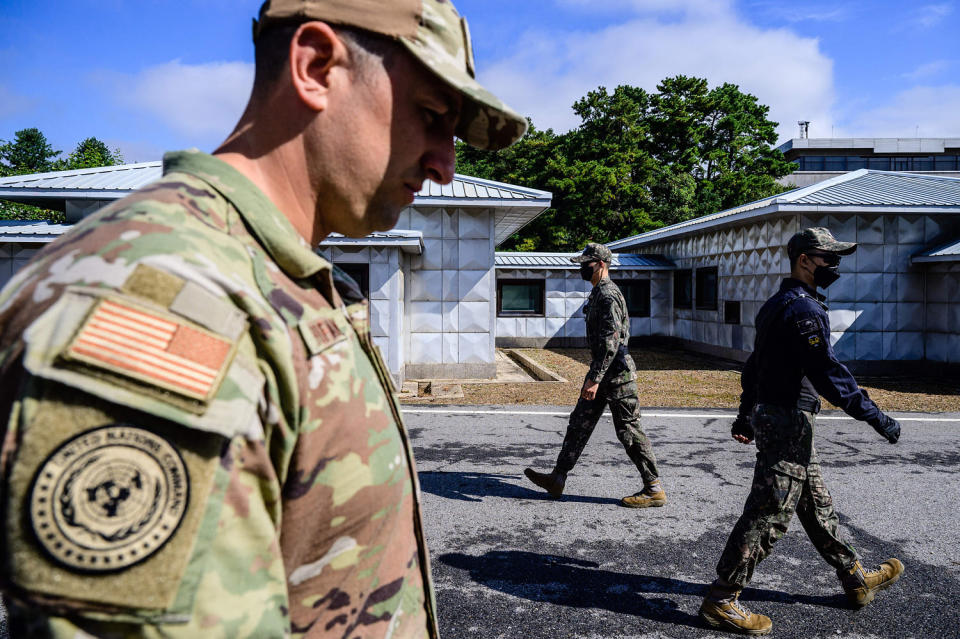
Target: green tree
(29, 152)
(638, 161)
(91, 153)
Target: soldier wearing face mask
(792, 364)
(610, 380)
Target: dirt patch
(674, 378)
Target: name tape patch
(109, 498)
(151, 348)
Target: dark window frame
(683, 273)
(699, 288)
(541, 311)
(351, 268)
(623, 284)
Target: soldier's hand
(886, 426)
(742, 429)
(589, 390)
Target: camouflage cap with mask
(436, 35)
(592, 252)
(818, 241)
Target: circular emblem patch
(109, 498)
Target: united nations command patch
(109, 498)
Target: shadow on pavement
(577, 583)
(474, 486)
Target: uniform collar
(790, 282)
(603, 282)
(275, 232)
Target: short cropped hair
(272, 51)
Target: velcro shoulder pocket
(128, 352)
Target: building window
(707, 288)
(683, 289)
(834, 163)
(637, 295)
(520, 298)
(731, 312)
(360, 274)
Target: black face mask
(824, 276)
(586, 271)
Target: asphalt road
(511, 563)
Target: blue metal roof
(514, 206)
(126, 178)
(406, 241)
(621, 261)
(858, 191)
(21, 231)
(949, 252)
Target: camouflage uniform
(608, 329)
(257, 457)
(786, 479)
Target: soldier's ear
(316, 52)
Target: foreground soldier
(793, 362)
(199, 438)
(611, 379)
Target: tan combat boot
(645, 499)
(861, 586)
(551, 482)
(721, 610)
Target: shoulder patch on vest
(150, 347)
(814, 340)
(108, 498)
(807, 326)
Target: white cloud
(804, 13)
(200, 102)
(693, 7)
(549, 71)
(935, 110)
(928, 69)
(930, 15)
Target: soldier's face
(401, 134)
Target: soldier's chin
(382, 218)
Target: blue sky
(151, 75)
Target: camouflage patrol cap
(436, 35)
(818, 238)
(593, 251)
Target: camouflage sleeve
(608, 338)
(123, 484)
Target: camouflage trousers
(786, 479)
(626, 421)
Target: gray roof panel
(516, 205)
(949, 252)
(621, 261)
(24, 231)
(884, 191)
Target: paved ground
(511, 563)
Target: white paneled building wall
(451, 294)
(883, 307)
(561, 323)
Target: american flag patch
(152, 348)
